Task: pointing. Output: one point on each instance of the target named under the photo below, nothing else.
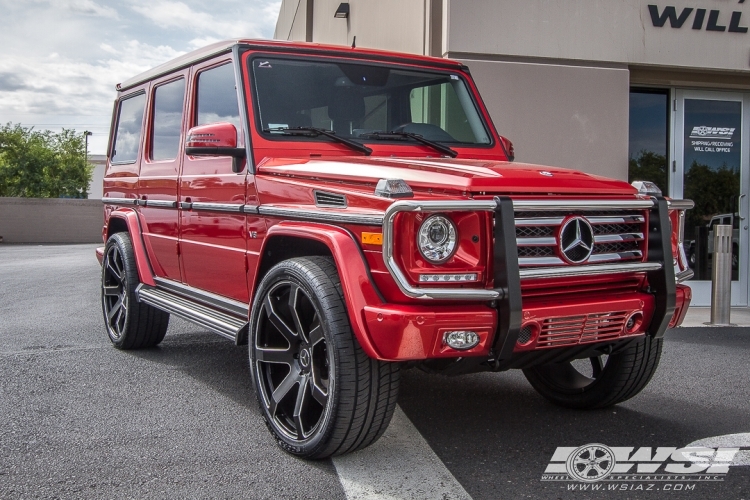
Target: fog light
(634, 322)
(461, 340)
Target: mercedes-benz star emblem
(545, 173)
(576, 240)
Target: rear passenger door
(212, 232)
(159, 169)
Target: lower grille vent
(572, 330)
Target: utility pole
(86, 135)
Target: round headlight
(437, 239)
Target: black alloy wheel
(599, 381)
(319, 393)
(292, 361)
(129, 323)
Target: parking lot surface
(81, 419)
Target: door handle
(739, 206)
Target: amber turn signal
(372, 238)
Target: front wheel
(599, 381)
(319, 393)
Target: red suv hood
(473, 176)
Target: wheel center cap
(304, 358)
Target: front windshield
(354, 100)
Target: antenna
(354, 42)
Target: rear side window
(168, 101)
(217, 96)
(128, 134)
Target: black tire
(607, 381)
(129, 323)
(319, 393)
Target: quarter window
(217, 96)
(128, 134)
(168, 101)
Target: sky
(61, 59)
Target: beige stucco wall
(384, 24)
(566, 116)
(37, 220)
(618, 31)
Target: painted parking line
(400, 465)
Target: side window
(128, 134)
(217, 97)
(168, 103)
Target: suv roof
(280, 45)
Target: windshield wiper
(400, 135)
(314, 132)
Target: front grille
(618, 237)
(572, 330)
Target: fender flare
(356, 284)
(130, 217)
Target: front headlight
(437, 240)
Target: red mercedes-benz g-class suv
(348, 212)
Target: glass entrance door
(711, 168)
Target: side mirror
(215, 139)
(510, 152)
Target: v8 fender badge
(545, 173)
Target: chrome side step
(225, 324)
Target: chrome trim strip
(684, 275)
(229, 306)
(399, 277)
(625, 219)
(540, 261)
(618, 238)
(545, 241)
(595, 270)
(217, 207)
(119, 201)
(582, 205)
(249, 209)
(605, 257)
(161, 203)
(541, 221)
(314, 215)
(680, 204)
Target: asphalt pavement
(80, 419)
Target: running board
(226, 325)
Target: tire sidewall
(122, 242)
(294, 272)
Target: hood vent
(323, 199)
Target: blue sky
(60, 59)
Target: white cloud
(61, 59)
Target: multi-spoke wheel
(130, 324)
(598, 381)
(319, 393)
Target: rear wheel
(130, 324)
(599, 381)
(320, 394)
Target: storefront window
(649, 137)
